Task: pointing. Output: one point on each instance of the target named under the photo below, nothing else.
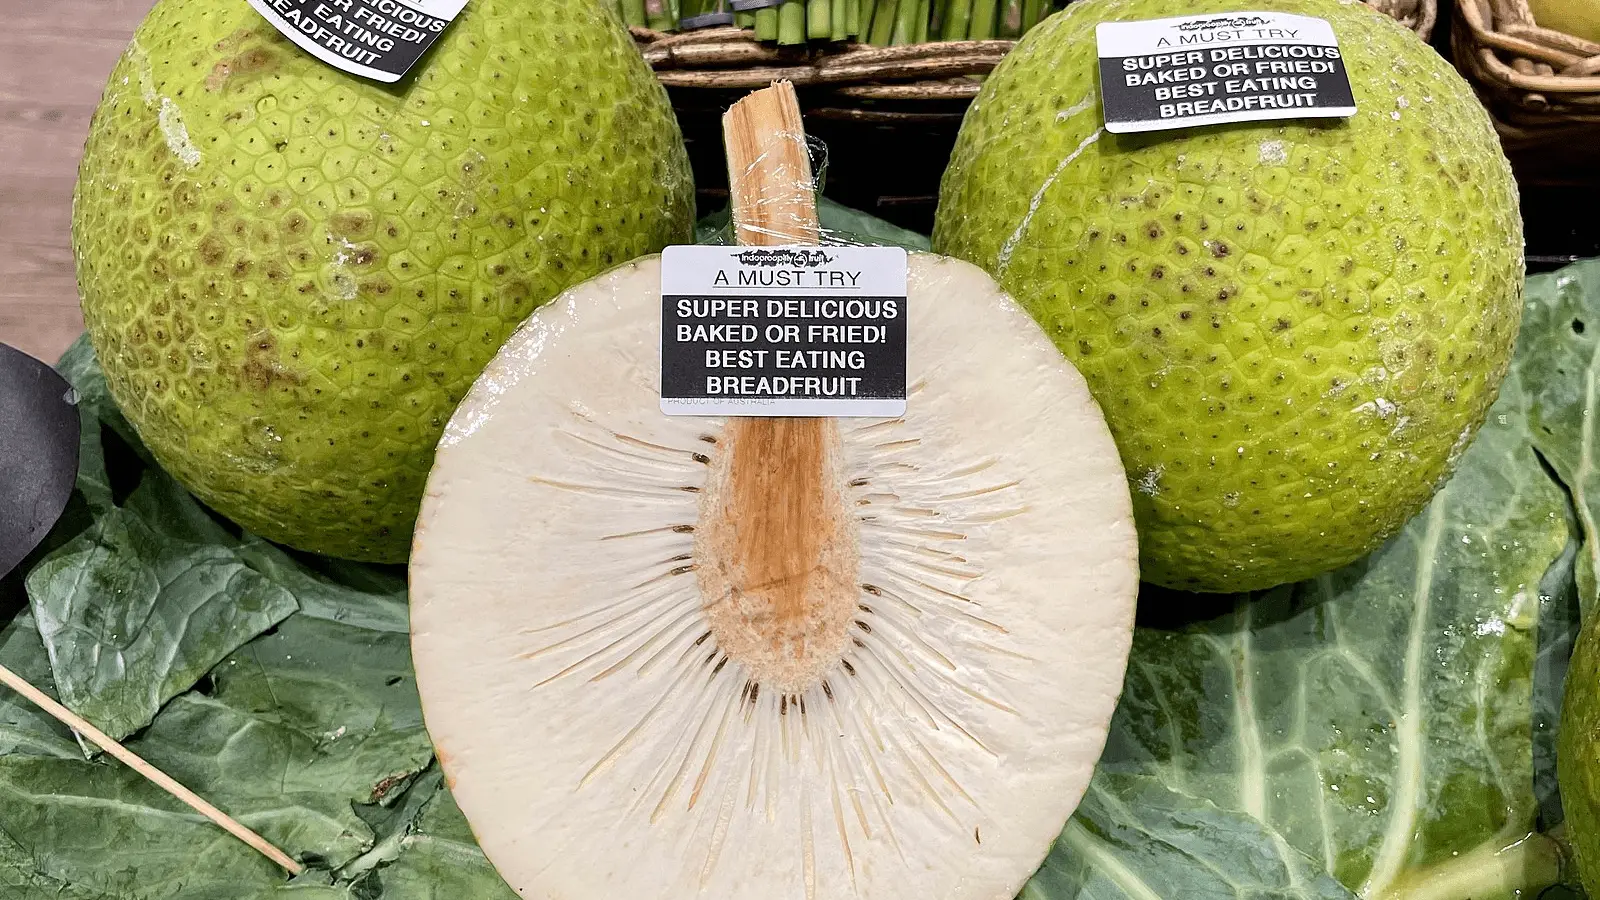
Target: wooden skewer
(131, 760)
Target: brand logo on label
(1235, 22)
(784, 256)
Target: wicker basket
(1542, 86)
(869, 104)
(730, 59)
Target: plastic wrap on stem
(721, 233)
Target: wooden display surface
(54, 58)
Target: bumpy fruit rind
(1294, 327)
(292, 275)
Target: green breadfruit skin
(1294, 328)
(1578, 755)
(292, 275)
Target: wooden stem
(778, 529)
(769, 169)
(131, 760)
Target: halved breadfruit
(673, 657)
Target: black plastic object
(38, 452)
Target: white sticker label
(1222, 67)
(376, 39)
(783, 331)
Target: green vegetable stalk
(819, 19)
(633, 13)
(956, 18)
(767, 23)
(925, 21)
(1034, 12)
(792, 22)
(852, 17)
(745, 19)
(982, 26)
(841, 21)
(905, 23)
(883, 13)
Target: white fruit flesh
(627, 706)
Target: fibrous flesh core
(674, 657)
(779, 552)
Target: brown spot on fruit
(254, 60)
(219, 76)
(262, 369)
(356, 224)
(213, 250)
(233, 40)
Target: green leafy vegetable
(346, 691)
(391, 826)
(1559, 357)
(306, 892)
(441, 861)
(850, 225)
(303, 731)
(1135, 837)
(104, 831)
(366, 596)
(25, 730)
(280, 781)
(134, 612)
